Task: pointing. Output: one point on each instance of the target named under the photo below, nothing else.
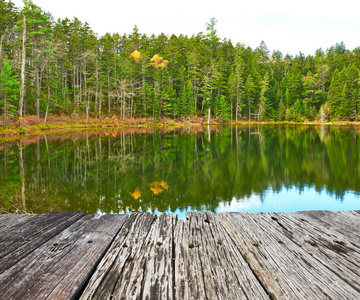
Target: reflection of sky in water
(291, 200)
(287, 200)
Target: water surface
(273, 168)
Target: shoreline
(111, 123)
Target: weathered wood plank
(112, 276)
(208, 265)
(284, 269)
(348, 226)
(151, 275)
(351, 213)
(60, 268)
(20, 240)
(330, 248)
(9, 220)
(155, 265)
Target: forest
(53, 67)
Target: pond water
(273, 168)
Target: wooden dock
(303, 255)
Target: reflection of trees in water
(129, 171)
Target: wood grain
(118, 275)
(22, 239)
(344, 222)
(284, 269)
(208, 265)
(330, 248)
(61, 267)
(9, 220)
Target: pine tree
(168, 99)
(212, 37)
(353, 84)
(281, 111)
(183, 105)
(7, 21)
(249, 91)
(36, 26)
(224, 108)
(191, 109)
(297, 111)
(335, 94)
(9, 87)
(236, 87)
(346, 106)
(265, 105)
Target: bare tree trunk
(1, 41)
(74, 85)
(143, 87)
(37, 93)
(97, 85)
(87, 107)
(209, 113)
(100, 104)
(195, 99)
(109, 92)
(5, 111)
(22, 76)
(237, 102)
(132, 103)
(80, 83)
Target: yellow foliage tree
(158, 62)
(135, 55)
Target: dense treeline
(50, 67)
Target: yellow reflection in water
(136, 195)
(157, 187)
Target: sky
(288, 26)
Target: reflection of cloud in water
(237, 205)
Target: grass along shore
(31, 125)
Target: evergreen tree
(190, 99)
(224, 108)
(212, 38)
(281, 111)
(168, 101)
(7, 22)
(40, 32)
(249, 90)
(335, 94)
(353, 85)
(297, 111)
(265, 108)
(346, 106)
(9, 89)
